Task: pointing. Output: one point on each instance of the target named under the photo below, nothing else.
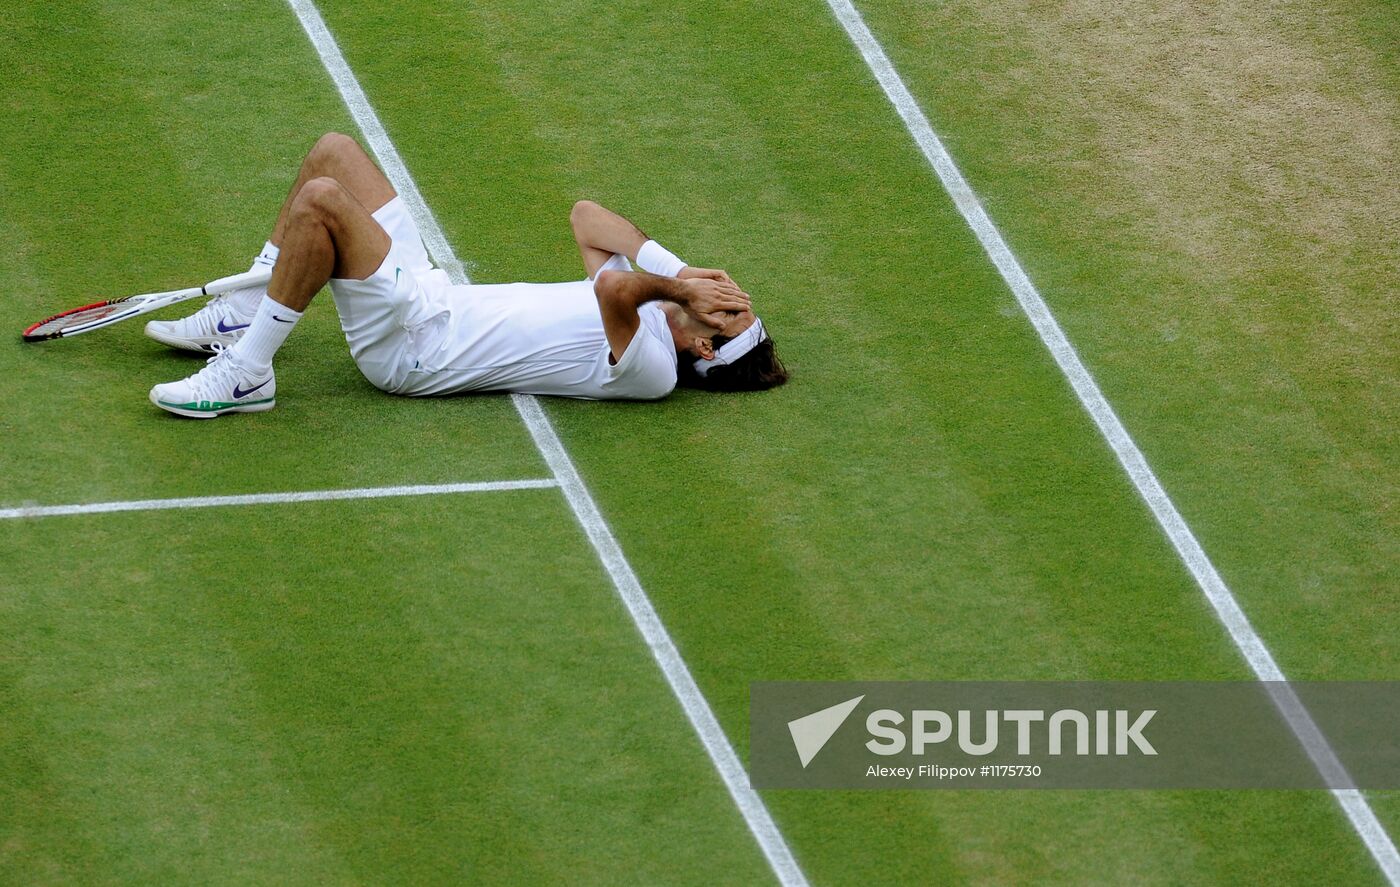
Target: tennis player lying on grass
(620, 334)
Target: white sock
(268, 256)
(269, 329)
(247, 300)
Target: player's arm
(601, 233)
(621, 293)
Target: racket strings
(77, 317)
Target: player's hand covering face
(714, 302)
(690, 271)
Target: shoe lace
(220, 371)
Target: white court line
(1226, 607)
(273, 498)
(658, 640)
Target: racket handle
(259, 276)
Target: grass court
(447, 688)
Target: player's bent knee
(581, 210)
(318, 197)
(334, 143)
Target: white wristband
(658, 260)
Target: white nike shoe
(223, 386)
(220, 323)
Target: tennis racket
(100, 314)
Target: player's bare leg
(326, 232)
(338, 157)
(225, 319)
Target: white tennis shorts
(385, 315)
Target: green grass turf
(1210, 209)
(278, 711)
(925, 500)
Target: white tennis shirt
(538, 338)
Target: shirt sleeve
(647, 370)
(618, 262)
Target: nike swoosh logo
(282, 319)
(224, 328)
(241, 392)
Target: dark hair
(758, 370)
